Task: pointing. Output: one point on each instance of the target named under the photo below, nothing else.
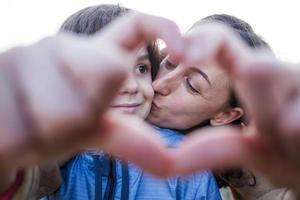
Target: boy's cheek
(147, 91)
(146, 109)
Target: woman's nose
(130, 86)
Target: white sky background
(278, 22)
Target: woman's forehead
(217, 76)
(211, 70)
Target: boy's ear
(227, 116)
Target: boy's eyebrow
(203, 74)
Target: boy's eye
(142, 69)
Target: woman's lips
(154, 106)
(127, 108)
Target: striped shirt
(80, 180)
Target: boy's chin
(126, 110)
(132, 111)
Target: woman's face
(187, 96)
(136, 95)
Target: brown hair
(90, 20)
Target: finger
(221, 148)
(57, 106)
(215, 43)
(97, 71)
(136, 28)
(52, 108)
(288, 125)
(259, 87)
(131, 139)
(213, 148)
(11, 124)
(272, 96)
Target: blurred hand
(269, 90)
(55, 95)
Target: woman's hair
(246, 33)
(90, 20)
(244, 30)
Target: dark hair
(246, 33)
(90, 20)
(244, 30)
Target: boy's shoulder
(172, 137)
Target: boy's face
(136, 95)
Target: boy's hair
(90, 20)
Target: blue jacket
(122, 181)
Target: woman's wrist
(7, 179)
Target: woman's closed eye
(190, 86)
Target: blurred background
(278, 22)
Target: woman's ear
(227, 116)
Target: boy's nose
(130, 86)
